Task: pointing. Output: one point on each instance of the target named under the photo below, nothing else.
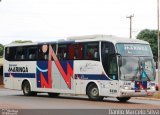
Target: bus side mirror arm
(120, 61)
(156, 65)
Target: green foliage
(151, 37)
(21, 41)
(1, 50)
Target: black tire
(93, 93)
(123, 99)
(53, 94)
(27, 89)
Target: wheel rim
(26, 88)
(94, 92)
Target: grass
(156, 95)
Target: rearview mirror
(119, 58)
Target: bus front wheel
(93, 93)
(27, 89)
(123, 99)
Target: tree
(1, 50)
(151, 37)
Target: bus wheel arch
(92, 90)
(26, 87)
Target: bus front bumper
(133, 93)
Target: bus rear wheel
(93, 93)
(53, 94)
(27, 89)
(123, 99)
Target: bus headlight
(152, 88)
(126, 87)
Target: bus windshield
(134, 49)
(137, 62)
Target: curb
(145, 98)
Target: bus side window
(32, 53)
(75, 51)
(62, 52)
(21, 53)
(43, 52)
(78, 51)
(92, 51)
(106, 50)
(71, 51)
(109, 60)
(10, 53)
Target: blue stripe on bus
(21, 75)
(91, 77)
(77, 76)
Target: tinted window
(32, 53)
(76, 51)
(10, 53)
(109, 60)
(79, 51)
(62, 52)
(21, 53)
(91, 51)
(73, 51)
(43, 52)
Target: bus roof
(109, 38)
(21, 44)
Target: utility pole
(158, 41)
(130, 17)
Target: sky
(49, 20)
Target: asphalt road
(11, 99)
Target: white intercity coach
(97, 66)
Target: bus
(97, 66)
